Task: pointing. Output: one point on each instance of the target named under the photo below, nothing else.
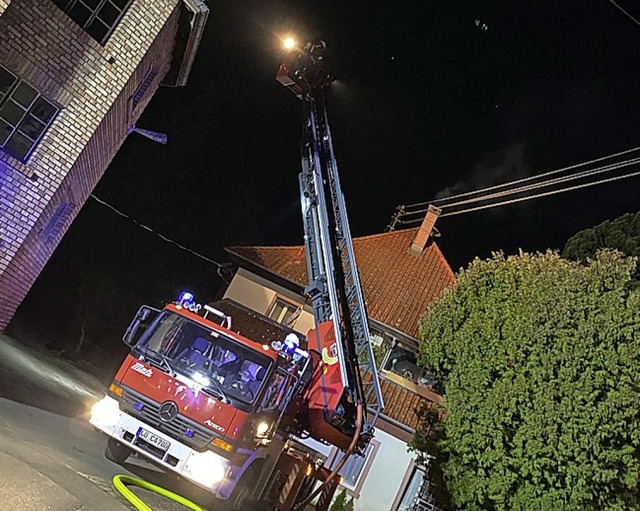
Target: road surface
(50, 458)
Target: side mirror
(143, 319)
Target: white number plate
(147, 436)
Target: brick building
(75, 75)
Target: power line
(529, 187)
(523, 180)
(520, 199)
(626, 13)
(220, 266)
(543, 194)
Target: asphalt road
(50, 458)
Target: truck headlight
(262, 429)
(206, 468)
(105, 410)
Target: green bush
(540, 360)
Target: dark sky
(426, 100)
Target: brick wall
(92, 85)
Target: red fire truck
(228, 413)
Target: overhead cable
(523, 180)
(220, 266)
(542, 184)
(521, 199)
(625, 12)
(543, 194)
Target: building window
(404, 362)
(24, 115)
(142, 89)
(98, 18)
(418, 492)
(354, 471)
(284, 311)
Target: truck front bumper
(206, 469)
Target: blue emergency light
(185, 296)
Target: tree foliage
(622, 234)
(540, 359)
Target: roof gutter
(198, 21)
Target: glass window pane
(19, 145)
(92, 4)
(80, 14)
(31, 127)
(109, 14)
(24, 94)
(404, 363)
(352, 469)
(63, 4)
(412, 493)
(43, 110)
(11, 113)
(97, 30)
(6, 81)
(120, 4)
(5, 131)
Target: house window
(418, 492)
(142, 89)
(404, 363)
(284, 311)
(24, 115)
(98, 18)
(354, 471)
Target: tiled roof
(397, 285)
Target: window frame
(355, 489)
(27, 112)
(409, 474)
(70, 4)
(295, 306)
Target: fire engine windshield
(223, 366)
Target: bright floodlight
(289, 43)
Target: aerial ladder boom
(342, 331)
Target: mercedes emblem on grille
(168, 411)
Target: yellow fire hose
(122, 481)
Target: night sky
(430, 95)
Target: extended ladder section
(334, 284)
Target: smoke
(506, 165)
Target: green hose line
(121, 481)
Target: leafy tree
(340, 502)
(622, 234)
(540, 359)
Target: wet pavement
(50, 457)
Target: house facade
(75, 75)
(401, 273)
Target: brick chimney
(421, 239)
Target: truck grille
(148, 411)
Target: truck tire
(116, 452)
(240, 498)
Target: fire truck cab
(209, 404)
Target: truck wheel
(116, 452)
(240, 498)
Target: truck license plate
(147, 436)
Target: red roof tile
(397, 285)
